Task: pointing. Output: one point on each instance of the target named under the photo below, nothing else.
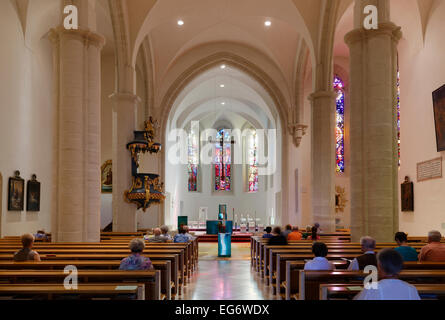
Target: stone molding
(385, 28)
(89, 37)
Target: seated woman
(408, 253)
(320, 250)
(136, 261)
(314, 234)
(27, 254)
(181, 237)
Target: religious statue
(407, 193)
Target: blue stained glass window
(340, 124)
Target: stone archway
(280, 106)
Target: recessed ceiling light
(180, 23)
(221, 86)
(268, 23)
(223, 103)
(223, 66)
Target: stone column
(323, 159)
(124, 123)
(374, 166)
(76, 208)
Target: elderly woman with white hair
(136, 261)
(367, 258)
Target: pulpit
(213, 226)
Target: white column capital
(123, 96)
(85, 35)
(361, 34)
(322, 95)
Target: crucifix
(221, 143)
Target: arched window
(252, 161)
(193, 158)
(223, 160)
(340, 124)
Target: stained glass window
(223, 160)
(398, 114)
(252, 161)
(340, 124)
(193, 159)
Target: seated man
(164, 230)
(408, 253)
(268, 233)
(181, 237)
(295, 234)
(287, 230)
(277, 239)
(136, 261)
(368, 258)
(320, 250)
(27, 254)
(434, 251)
(390, 263)
(41, 235)
(158, 237)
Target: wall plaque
(429, 170)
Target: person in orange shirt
(434, 251)
(295, 234)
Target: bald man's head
(157, 232)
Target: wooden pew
(346, 291)
(310, 281)
(151, 279)
(83, 290)
(167, 284)
(79, 258)
(291, 283)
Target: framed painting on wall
(16, 193)
(33, 194)
(106, 177)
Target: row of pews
(97, 269)
(282, 269)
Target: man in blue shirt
(408, 253)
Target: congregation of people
(389, 262)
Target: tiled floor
(225, 278)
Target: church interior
(142, 123)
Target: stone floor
(225, 278)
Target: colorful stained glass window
(398, 114)
(193, 159)
(340, 124)
(223, 160)
(252, 161)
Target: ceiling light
(223, 103)
(221, 86)
(223, 66)
(268, 23)
(180, 23)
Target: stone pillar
(323, 159)
(76, 208)
(373, 100)
(124, 123)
